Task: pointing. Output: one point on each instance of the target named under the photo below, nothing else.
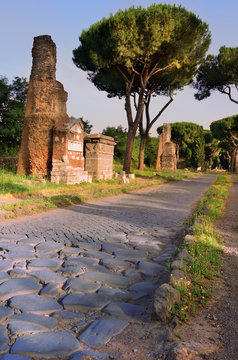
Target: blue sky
(64, 20)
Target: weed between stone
(196, 287)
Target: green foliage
(226, 131)
(142, 52)
(12, 110)
(87, 126)
(190, 138)
(218, 73)
(212, 150)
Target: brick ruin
(167, 158)
(52, 142)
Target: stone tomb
(167, 158)
(68, 157)
(99, 150)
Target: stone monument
(166, 159)
(52, 143)
(45, 107)
(99, 151)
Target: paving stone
(80, 261)
(130, 253)
(114, 264)
(113, 280)
(13, 287)
(49, 246)
(88, 246)
(35, 304)
(115, 294)
(5, 312)
(6, 265)
(50, 290)
(150, 269)
(81, 286)
(19, 255)
(96, 254)
(117, 237)
(44, 263)
(74, 270)
(48, 322)
(85, 302)
(4, 277)
(14, 357)
(124, 310)
(47, 276)
(133, 274)
(18, 328)
(60, 344)
(68, 315)
(101, 331)
(143, 286)
(85, 354)
(47, 254)
(18, 273)
(4, 339)
(70, 251)
(111, 247)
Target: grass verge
(205, 250)
(21, 195)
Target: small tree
(12, 110)
(124, 54)
(218, 73)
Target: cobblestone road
(73, 279)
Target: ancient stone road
(72, 279)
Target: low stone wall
(8, 161)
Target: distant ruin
(52, 142)
(166, 158)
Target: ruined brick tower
(46, 106)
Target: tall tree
(12, 110)
(124, 54)
(218, 73)
(226, 131)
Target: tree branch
(223, 91)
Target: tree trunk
(129, 148)
(143, 139)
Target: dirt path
(212, 334)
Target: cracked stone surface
(75, 280)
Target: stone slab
(48, 246)
(150, 269)
(49, 323)
(130, 253)
(19, 286)
(85, 302)
(4, 277)
(44, 263)
(6, 265)
(4, 339)
(14, 357)
(124, 310)
(101, 331)
(143, 286)
(18, 328)
(113, 280)
(50, 290)
(60, 344)
(115, 294)
(35, 304)
(5, 312)
(114, 264)
(19, 254)
(80, 261)
(80, 286)
(68, 315)
(47, 276)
